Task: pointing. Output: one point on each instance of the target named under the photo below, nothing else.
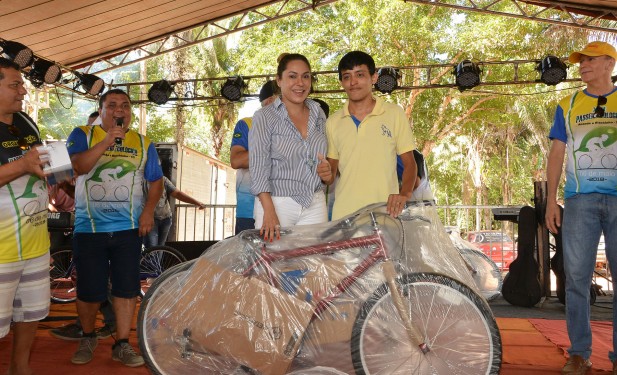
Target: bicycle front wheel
(154, 261)
(62, 276)
(455, 323)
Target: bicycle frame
(378, 255)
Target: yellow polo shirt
(366, 155)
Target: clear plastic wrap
(368, 294)
(485, 273)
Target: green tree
(479, 142)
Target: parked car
(495, 244)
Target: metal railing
(217, 222)
(214, 223)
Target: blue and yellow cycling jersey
(110, 197)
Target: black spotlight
(467, 75)
(44, 71)
(232, 89)
(553, 70)
(17, 52)
(91, 84)
(387, 80)
(160, 92)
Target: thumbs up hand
(324, 170)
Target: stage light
(467, 75)
(387, 80)
(552, 70)
(44, 71)
(18, 53)
(91, 84)
(232, 89)
(160, 92)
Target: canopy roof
(73, 32)
(76, 33)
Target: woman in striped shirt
(287, 144)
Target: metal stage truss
(437, 76)
(592, 15)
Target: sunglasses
(21, 142)
(599, 111)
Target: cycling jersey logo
(34, 190)
(112, 170)
(597, 149)
(109, 187)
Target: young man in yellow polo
(364, 138)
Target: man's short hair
(113, 91)
(267, 90)
(6, 63)
(94, 114)
(353, 59)
(324, 106)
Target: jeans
(585, 218)
(158, 235)
(244, 223)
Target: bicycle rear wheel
(154, 261)
(455, 322)
(62, 276)
(484, 272)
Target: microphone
(120, 123)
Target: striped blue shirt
(281, 162)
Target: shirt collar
(312, 105)
(377, 110)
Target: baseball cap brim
(594, 49)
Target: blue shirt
(110, 197)
(591, 163)
(244, 199)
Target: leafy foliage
(484, 146)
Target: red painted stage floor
(531, 345)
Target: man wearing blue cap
(240, 162)
(585, 127)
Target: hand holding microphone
(120, 123)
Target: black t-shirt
(9, 143)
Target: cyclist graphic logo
(107, 177)
(597, 149)
(35, 191)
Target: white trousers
(290, 212)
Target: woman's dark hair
(353, 59)
(286, 59)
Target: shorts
(24, 291)
(101, 258)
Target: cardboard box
(314, 278)
(240, 318)
(58, 167)
(333, 325)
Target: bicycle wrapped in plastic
(368, 294)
